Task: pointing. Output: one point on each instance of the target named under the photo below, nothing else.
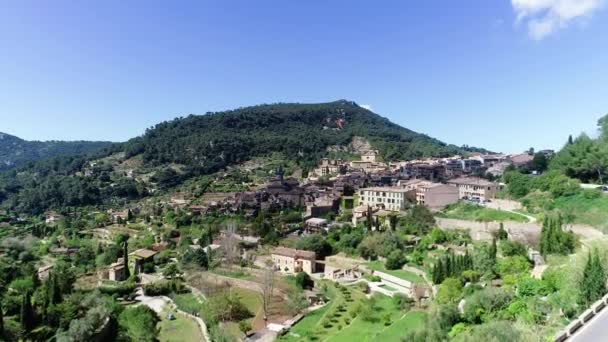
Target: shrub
(304, 281)
(163, 288)
(395, 260)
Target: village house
(389, 198)
(338, 268)
(521, 160)
(289, 260)
(369, 156)
(330, 167)
(140, 257)
(322, 205)
(435, 195)
(117, 271)
(45, 271)
(474, 188)
(316, 225)
(119, 216)
(360, 214)
(428, 171)
(52, 218)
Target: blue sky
(501, 74)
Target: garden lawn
(376, 330)
(187, 302)
(253, 302)
(182, 329)
(397, 330)
(377, 265)
(314, 323)
(473, 212)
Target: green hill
(16, 152)
(303, 132)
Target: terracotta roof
(294, 253)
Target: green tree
(450, 291)
(26, 317)
(395, 260)
(592, 285)
(502, 234)
(139, 323)
(125, 257)
(303, 281)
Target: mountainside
(303, 132)
(184, 148)
(15, 152)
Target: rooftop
(143, 253)
(471, 181)
(294, 253)
(385, 189)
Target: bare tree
(230, 243)
(267, 287)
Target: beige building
(369, 156)
(289, 260)
(342, 268)
(45, 271)
(389, 198)
(436, 195)
(329, 167)
(117, 271)
(473, 188)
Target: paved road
(594, 331)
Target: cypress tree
(368, 219)
(35, 280)
(592, 285)
(27, 313)
(1, 321)
(493, 251)
(125, 258)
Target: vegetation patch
(474, 212)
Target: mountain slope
(302, 132)
(15, 152)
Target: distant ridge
(16, 152)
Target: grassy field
(585, 210)
(187, 302)
(253, 301)
(405, 275)
(395, 332)
(182, 329)
(473, 212)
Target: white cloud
(543, 17)
(366, 106)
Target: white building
(388, 198)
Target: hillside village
(289, 248)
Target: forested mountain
(15, 152)
(303, 132)
(176, 150)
